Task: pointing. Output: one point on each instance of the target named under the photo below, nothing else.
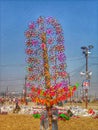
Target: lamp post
(86, 52)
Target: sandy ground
(27, 122)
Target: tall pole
(47, 75)
(69, 85)
(86, 90)
(25, 91)
(86, 51)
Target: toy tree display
(47, 77)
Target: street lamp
(88, 74)
(86, 52)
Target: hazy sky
(79, 20)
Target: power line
(77, 70)
(93, 57)
(13, 85)
(13, 65)
(24, 64)
(11, 79)
(75, 58)
(94, 63)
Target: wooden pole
(47, 75)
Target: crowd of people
(11, 100)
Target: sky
(79, 20)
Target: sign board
(86, 84)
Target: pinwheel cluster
(46, 62)
(56, 94)
(61, 116)
(55, 56)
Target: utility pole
(86, 51)
(70, 91)
(25, 91)
(86, 90)
(7, 91)
(82, 92)
(95, 96)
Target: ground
(27, 122)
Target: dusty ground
(27, 122)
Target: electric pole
(70, 90)
(86, 51)
(25, 91)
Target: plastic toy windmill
(47, 77)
